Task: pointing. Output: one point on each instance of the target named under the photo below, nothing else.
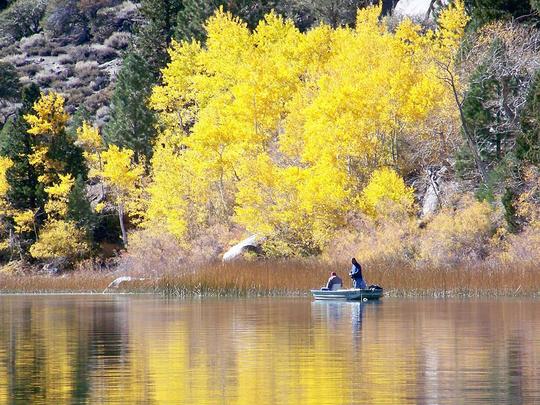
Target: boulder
(252, 243)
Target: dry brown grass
(267, 278)
(470, 280)
(78, 282)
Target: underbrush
(287, 278)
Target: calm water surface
(149, 350)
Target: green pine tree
(9, 83)
(155, 35)
(485, 11)
(25, 192)
(481, 120)
(528, 142)
(79, 209)
(132, 122)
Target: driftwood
(116, 282)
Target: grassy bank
(291, 279)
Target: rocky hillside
(71, 47)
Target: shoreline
(392, 294)
(285, 279)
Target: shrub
(90, 7)
(103, 53)
(32, 42)
(15, 60)
(21, 19)
(8, 50)
(30, 70)
(459, 235)
(521, 248)
(393, 240)
(66, 59)
(63, 18)
(110, 19)
(80, 53)
(45, 51)
(60, 239)
(87, 69)
(118, 40)
(44, 79)
(152, 251)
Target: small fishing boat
(351, 294)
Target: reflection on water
(119, 349)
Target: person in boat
(334, 280)
(356, 275)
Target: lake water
(150, 350)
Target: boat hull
(353, 294)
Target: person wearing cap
(334, 282)
(356, 275)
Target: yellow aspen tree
(122, 175)
(59, 237)
(47, 125)
(5, 164)
(56, 206)
(386, 186)
(90, 140)
(280, 131)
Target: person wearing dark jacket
(356, 275)
(334, 280)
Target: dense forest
(328, 128)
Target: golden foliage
(57, 203)
(463, 234)
(89, 138)
(528, 202)
(119, 169)
(384, 186)
(5, 165)
(46, 124)
(279, 131)
(50, 117)
(124, 179)
(60, 239)
(24, 221)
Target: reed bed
(77, 282)
(286, 278)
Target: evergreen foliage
(480, 118)
(132, 122)
(528, 142)
(79, 210)
(15, 143)
(156, 32)
(485, 11)
(9, 82)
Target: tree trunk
(430, 9)
(470, 139)
(122, 225)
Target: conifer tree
(155, 34)
(485, 11)
(15, 143)
(9, 82)
(528, 142)
(132, 122)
